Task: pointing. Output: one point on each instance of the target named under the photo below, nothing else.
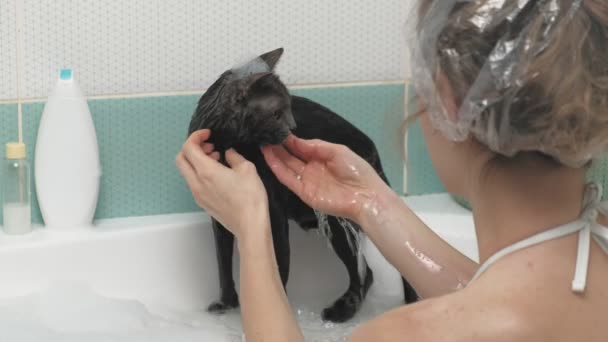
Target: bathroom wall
(151, 46)
(144, 63)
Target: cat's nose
(291, 122)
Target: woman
(515, 98)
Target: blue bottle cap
(65, 74)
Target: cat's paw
(347, 306)
(220, 307)
(344, 308)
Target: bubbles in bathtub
(71, 313)
(316, 330)
(231, 322)
(62, 306)
(74, 313)
(313, 327)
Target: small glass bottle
(16, 197)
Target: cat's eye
(278, 114)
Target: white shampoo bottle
(67, 167)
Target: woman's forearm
(430, 264)
(266, 313)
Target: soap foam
(252, 67)
(74, 313)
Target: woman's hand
(328, 177)
(235, 195)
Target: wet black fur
(256, 109)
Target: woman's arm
(266, 313)
(335, 180)
(430, 264)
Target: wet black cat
(248, 107)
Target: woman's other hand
(234, 195)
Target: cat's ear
(272, 57)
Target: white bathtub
(169, 261)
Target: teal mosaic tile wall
(421, 175)
(139, 138)
(599, 173)
(376, 110)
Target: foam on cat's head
(252, 67)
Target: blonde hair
(563, 99)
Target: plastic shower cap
(522, 75)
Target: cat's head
(247, 105)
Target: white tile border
(201, 91)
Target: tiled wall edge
(406, 112)
(197, 92)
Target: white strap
(582, 260)
(547, 235)
(591, 208)
(587, 227)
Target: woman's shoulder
(458, 317)
(523, 297)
